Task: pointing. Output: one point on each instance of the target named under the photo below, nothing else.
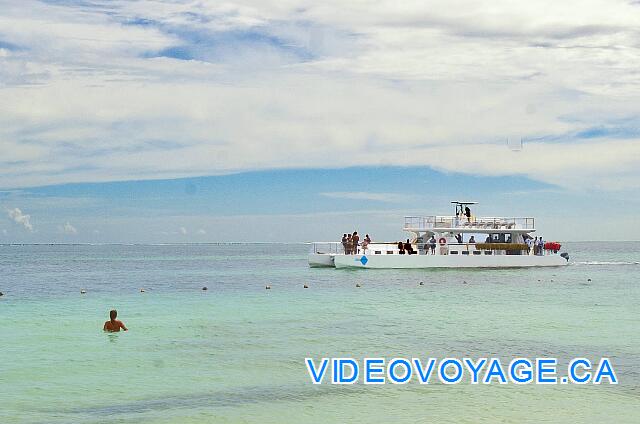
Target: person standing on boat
(540, 246)
(400, 248)
(349, 244)
(432, 244)
(535, 246)
(344, 243)
(472, 240)
(467, 212)
(365, 244)
(355, 239)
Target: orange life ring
(442, 241)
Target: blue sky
(297, 205)
(162, 121)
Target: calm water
(235, 352)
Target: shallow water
(235, 352)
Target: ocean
(235, 352)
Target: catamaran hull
(321, 260)
(446, 261)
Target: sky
(197, 121)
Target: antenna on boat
(461, 205)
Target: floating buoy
(1, 294)
(305, 286)
(141, 290)
(205, 288)
(267, 287)
(83, 291)
(588, 279)
(357, 284)
(422, 283)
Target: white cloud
(392, 84)
(67, 228)
(183, 231)
(363, 195)
(20, 218)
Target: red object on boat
(552, 245)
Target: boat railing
(424, 223)
(336, 247)
(326, 247)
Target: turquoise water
(234, 353)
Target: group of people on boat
(351, 243)
(406, 248)
(537, 244)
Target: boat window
(488, 252)
(465, 252)
(389, 252)
(453, 252)
(477, 252)
(378, 252)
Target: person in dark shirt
(400, 248)
(344, 243)
(432, 244)
(355, 239)
(467, 212)
(408, 247)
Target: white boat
(497, 242)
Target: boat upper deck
(462, 224)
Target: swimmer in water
(113, 325)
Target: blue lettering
(423, 376)
(475, 368)
(443, 374)
(585, 364)
(495, 370)
(338, 370)
(373, 366)
(315, 376)
(605, 370)
(523, 376)
(392, 373)
(542, 370)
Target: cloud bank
(68, 229)
(102, 91)
(20, 218)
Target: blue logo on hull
(363, 260)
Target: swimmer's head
(113, 314)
